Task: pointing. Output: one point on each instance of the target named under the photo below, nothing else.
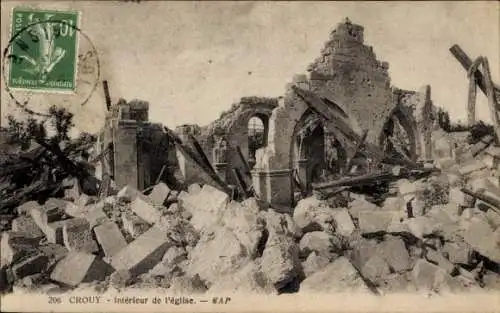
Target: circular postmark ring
(81, 58)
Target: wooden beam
(490, 93)
(466, 63)
(244, 162)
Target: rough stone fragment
(79, 267)
(129, 193)
(493, 218)
(394, 204)
(280, 261)
(279, 223)
(77, 236)
(248, 279)
(438, 259)
(25, 208)
(218, 253)
(317, 241)
(375, 221)
(110, 238)
(194, 189)
(426, 275)
(182, 285)
(312, 214)
(422, 226)
(245, 223)
(143, 253)
(134, 225)
(208, 206)
(339, 276)
(145, 210)
(44, 215)
(16, 245)
(343, 222)
(179, 230)
(483, 239)
(474, 166)
(95, 215)
(26, 225)
(31, 265)
(395, 253)
(73, 190)
(363, 250)
(458, 252)
(84, 200)
(314, 263)
(376, 269)
(159, 194)
(359, 205)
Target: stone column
(125, 154)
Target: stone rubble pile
(427, 236)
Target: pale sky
(191, 60)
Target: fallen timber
(188, 152)
(373, 178)
(494, 203)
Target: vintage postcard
(167, 156)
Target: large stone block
(79, 267)
(375, 221)
(343, 222)
(145, 210)
(339, 276)
(27, 226)
(129, 193)
(376, 269)
(206, 207)
(437, 258)
(481, 237)
(317, 241)
(110, 238)
(143, 253)
(426, 275)
(25, 208)
(458, 252)
(312, 214)
(15, 245)
(133, 224)
(30, 266)
(44, 215)
(159, 194)
(395, 253)
(314, 263)
(77, 236)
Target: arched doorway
(257, 135)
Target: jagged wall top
(346, 46)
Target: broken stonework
(25, 208)
(426, 275)
(110, 238)
(359, 205)
(79, 267)
(15, 245)
(129, 193)
(312, 214)
(422, 226)
(280, 223)
(483, 239)
(437, 258)
(280, 261)
(460, 198)
(179, 230)
(375, 269)
(245, 224)
(29, 266)
(77, 236)
(143, 253)
(133, 224)
(474, 166)
(317, 241)
(314, 263)
(458, 252)
(339, 276)
(26, 225)
(145, 210)
(375, 221)
(219, 252)
(44, 215)
(343, 222)
(395, 253)
(248, 279)
(363, 249)
(159, 194)
(206, 207)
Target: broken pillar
(125, 154)
(110, 238)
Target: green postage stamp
(43, 50)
